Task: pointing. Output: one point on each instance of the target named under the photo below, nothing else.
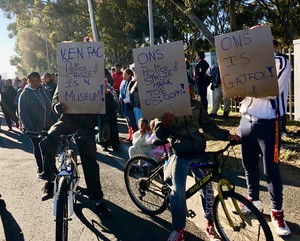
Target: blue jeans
(175, 175)
(137, 114)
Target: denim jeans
(137, 114)
(175, 175)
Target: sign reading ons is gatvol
(247, 64)
(162, 80)
(81, 77)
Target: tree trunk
(195, 19)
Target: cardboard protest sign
(247, 64)
(81, 77)
(162, 80)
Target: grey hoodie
(35, 109)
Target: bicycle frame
(65, 159)
(203, 181)
(215, 172)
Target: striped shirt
(265, 108)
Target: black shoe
(225, 114)
(105, 148)
(40, 175)
(115, 147)
(102, 210)
(48, 191)
(212, 115)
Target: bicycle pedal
(191, 213)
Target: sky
(6, 49)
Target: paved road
(24, 217)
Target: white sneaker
(258, 204)
(281, 228)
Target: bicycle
(66, 180)
(144, 180)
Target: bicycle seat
(158, 142)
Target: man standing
(201, 79)
(118, 77)
(218, 94)
(50, 85)
(260, 132)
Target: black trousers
(87, 152)
(37, 153)
(202, 91)
(258, 138)
(9, 115)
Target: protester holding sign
(260, 132)
(188, 145)
(79, 98)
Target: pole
(47, 53)
(150, 16)
(93, 24)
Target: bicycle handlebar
(38, 134)
(76, 135)
(231, 143)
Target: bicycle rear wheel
(145, 187)
(254, 228)
(62, 210)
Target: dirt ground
(290, 169)
(290, 150)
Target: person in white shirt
(260, 132)
(139, 140)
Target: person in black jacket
(8, 94)
(201, 79)
(50, 85)
(68, 124)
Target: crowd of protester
(39, 95)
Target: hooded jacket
(35, 109)
(186, 139)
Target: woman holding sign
(125, 87)
(260, 132)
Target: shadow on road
(125, 226)
(12, 230)
(15, 139)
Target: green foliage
(123, 25)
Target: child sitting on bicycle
(188, 146)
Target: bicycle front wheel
(255, 226)
(62, 210)
(145, 185)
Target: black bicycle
(145, 184)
